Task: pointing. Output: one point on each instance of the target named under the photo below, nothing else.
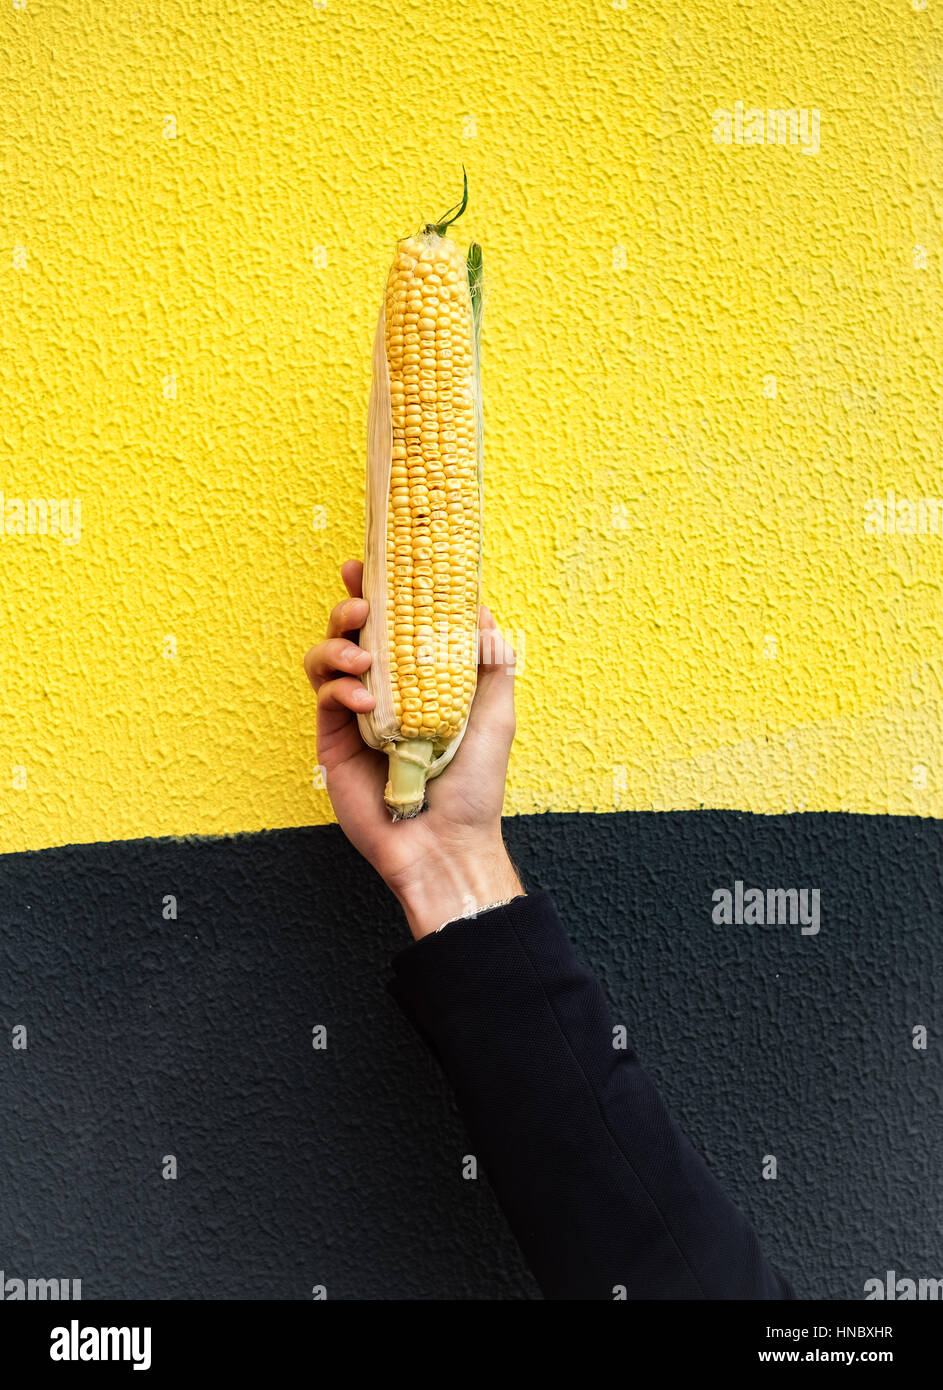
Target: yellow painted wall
(681, 554)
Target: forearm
(598, 1183)
(455, 882)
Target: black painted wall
(342, 1167)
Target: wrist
(449, 885)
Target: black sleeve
(597, 1182)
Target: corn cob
(422, 562)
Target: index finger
(352, 575)
(351, 614)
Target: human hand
(450, 859)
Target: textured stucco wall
(342, 1167)
(701, 361)
(201, 203)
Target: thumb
(486, 744)
(493, 706)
